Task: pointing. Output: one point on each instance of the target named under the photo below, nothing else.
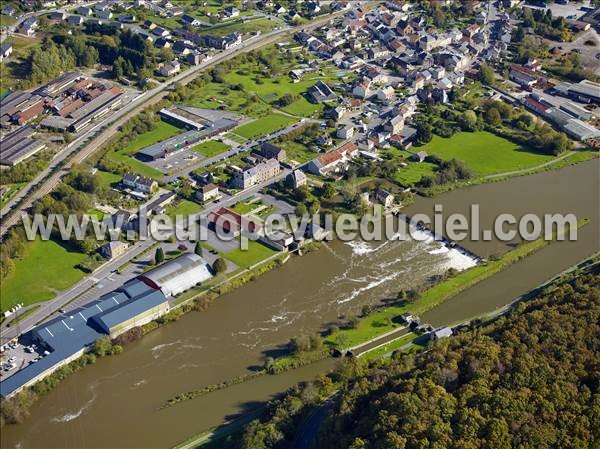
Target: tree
(159, 256)
(468, 120)
(492, 117)
(424, 133)
(328, 191)
(301, 209)
(219, 266)
(487, 75)
(198, 249)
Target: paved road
(111, 124)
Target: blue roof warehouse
(135, 303)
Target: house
(395, 125)
(321, 92)
(441, 332)
(313, 8)
(324, 140)
(231, 12)
(230, 222)
(345, 132)
(5, 51)
(296, 179)
(333, 161)
(270, 151)
(29, 26)
(384, 197)
(161, 42)
(113, 249)
(420, 156)
(189, 20)
(362, 89)
(139, 183)
(104, 14)
(149, 25)
(75, 20)
(85, 11)
(160, 32)
(337, 113)
(278, 9)
(58, 15)
(9, 11)
(207, 193)
(261, 172)
(385, 93)
(170, 69)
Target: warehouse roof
(178, 275)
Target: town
(239, 110)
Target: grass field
(162, 132)
(408, 176)
(261, 24)
(107, 179)
(485, 153)
(211, 148)
(255, 253)
(45, 269)
(297, 152)
(264, 125)
(184, 207)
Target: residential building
(296, 179)
(139, 183)
(261, 172)
(333, 161)
(170, 69)
(189, 20)
(6, 50)
(321, 92)
(270, 151)
(384, 197)
(231, 12)
(345, 132)
(208, 192)
(113, 249)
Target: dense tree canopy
(526, 380)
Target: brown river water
(116, 403)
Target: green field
(46, 268)
(255, 253)
(162, 131)
(107, 179)
(237, 25)
(408, 176)
(297, 152)
(211, 148)
(184, 207)
(485, 153)
(264, 125)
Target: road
(47, 180)
(107, 270)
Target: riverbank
(375, 325)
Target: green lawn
(259, 24)
(485, 153)
(264, 125)
(211, 148)
(255, 253)
(162, 132)
(107, 179)
(297, 152)
(245, 207)
(46, 268)
(184, 207)
(408, 176)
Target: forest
(527, 379)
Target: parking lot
(176, 162)
(18, 355)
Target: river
(116, 403)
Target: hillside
(527, 380)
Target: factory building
(178, 275)
(72, 334)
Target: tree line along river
(116, 403)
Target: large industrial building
(19, 145)
(178, 275)
(134, 304)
